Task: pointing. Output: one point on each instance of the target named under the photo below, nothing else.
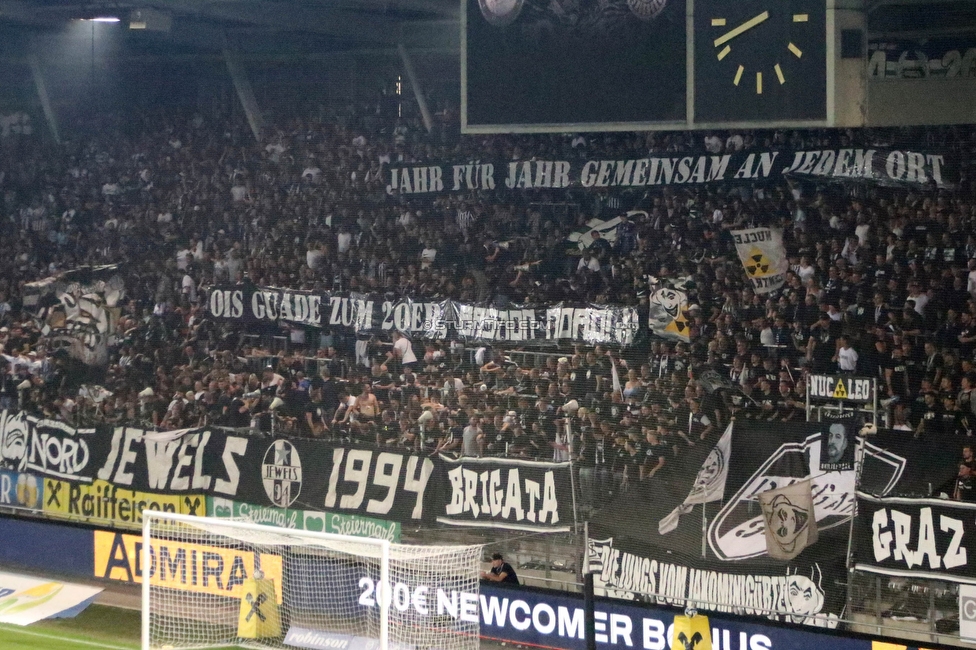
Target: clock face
(760, 60)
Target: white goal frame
(148, 516)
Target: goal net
(218, 583)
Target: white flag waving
(791, 524)
(763, 257)
(709, 483)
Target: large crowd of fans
(881, 283)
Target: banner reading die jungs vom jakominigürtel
(728, 568)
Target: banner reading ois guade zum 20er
(892, 167)
(429, 319)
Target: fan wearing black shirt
(655, 451)
(634, 460)
(930, 416)
(315, 414)
(501, 571)
(965, 489)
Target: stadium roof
(270, 26)
(282, 28)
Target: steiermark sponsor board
(329, 522)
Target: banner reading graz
(881, 166)
(927, 538)
(377, 313)
(507, 493)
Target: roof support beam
(244, 91)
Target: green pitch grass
(96, 628)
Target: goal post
(219, 583)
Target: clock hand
(749, 24)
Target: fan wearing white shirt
(402, 351)
(846, 356)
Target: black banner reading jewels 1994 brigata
(882, 166)
(927, 538)
(507, 493)
(309, 474)
(444, 319)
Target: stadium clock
(760, 60)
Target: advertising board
(183, 566)
(100, 502)
(329, 522)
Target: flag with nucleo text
(763, 257)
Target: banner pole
(858, 466)
(589, 616)
(704, 529)
(572, 472)
(146, 577)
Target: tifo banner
(107, 504)
(507, 493)
(763, 257)
(889, 167)
(182, 461)
(378, 313)
(641, 550)
(184, 566)
(25, 600)
(666, 314)
(79, 310)
(328, 522)
(925, 538)
(48, 447)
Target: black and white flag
(607, 229)
(78, 309)
(709, 484)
